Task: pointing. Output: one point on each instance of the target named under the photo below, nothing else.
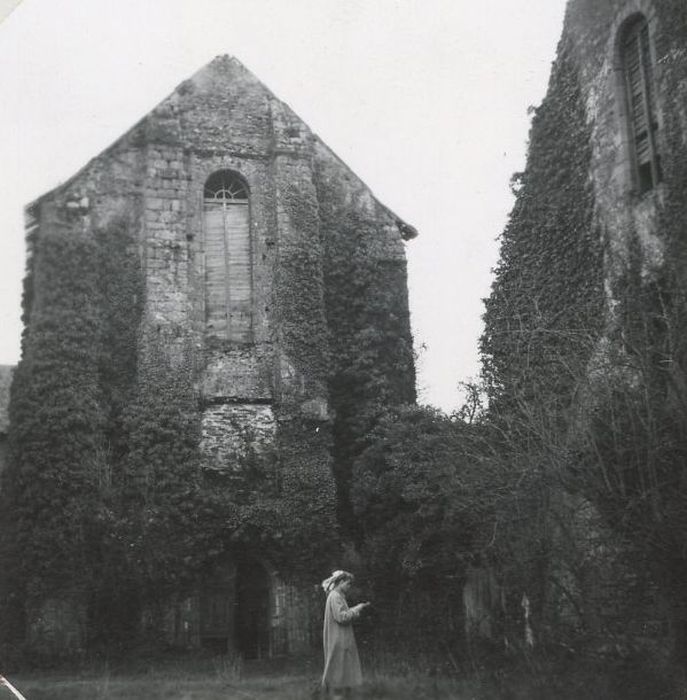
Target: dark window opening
(645, 177)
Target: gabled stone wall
(264, 406)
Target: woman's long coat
(341, 660)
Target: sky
(426, 100)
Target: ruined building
(204, 303)
(600, 192)
(585, 327)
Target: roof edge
(407, 231)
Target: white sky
(426, 100)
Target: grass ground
(189, 686)
(224, 679)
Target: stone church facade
(224, 188)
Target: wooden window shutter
(228, 265)
(640, 89)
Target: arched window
(228, 268)
(640, 91)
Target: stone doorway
(235, 607)
(217, 611)
(253, 594)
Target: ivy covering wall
(583, 354)
(109, 420)
(366, 304)
(546, 302)
(65, 410)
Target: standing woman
(341, 662)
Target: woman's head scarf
(336, 576)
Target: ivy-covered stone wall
(366, 302)
(548, 290)
(193, 453)
(581, 353)
(579, 226)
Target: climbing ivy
(159, 523)
(638, 429)
(50, 489)
(366, 305)
(78, 358)
(107, 500)
(620, 443)
(547, 297)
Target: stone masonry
(253, 393)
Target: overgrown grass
(158, 687)
(226, 678)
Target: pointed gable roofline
(220, 63)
